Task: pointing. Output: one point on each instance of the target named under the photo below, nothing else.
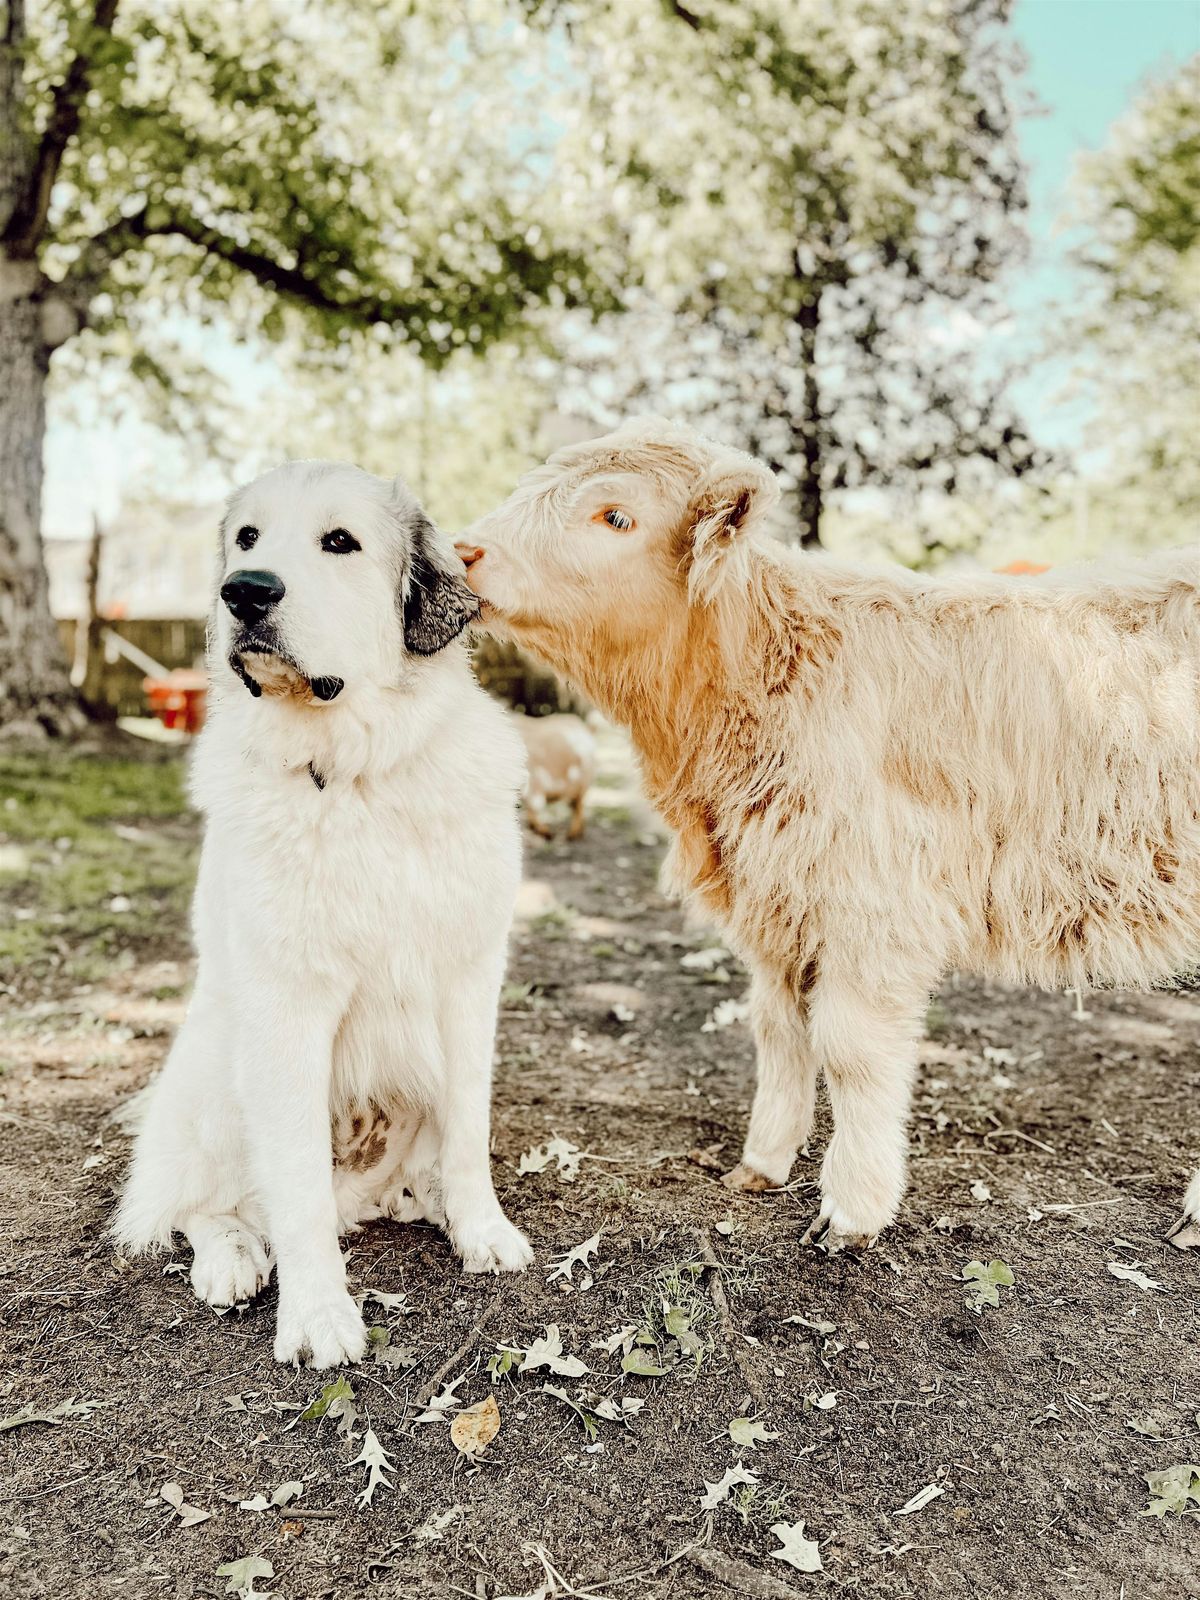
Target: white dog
(360, 864)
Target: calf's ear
(435, 602)
(733, 498)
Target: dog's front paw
(230, 1265)
(319, 1331)
(492, 1245)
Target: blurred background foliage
(442, 238)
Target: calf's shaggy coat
(872, 776)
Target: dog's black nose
(250, 595)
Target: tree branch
(28, 220)
(292, 283)
(681, 12)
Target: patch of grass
(743, 1498)
(677, 1311)
(92, 830)
(617, 816)
(553, 924)
(59, 794)
(937, 1023)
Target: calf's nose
(251, 594)
(468, 553)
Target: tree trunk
(806, 425)
(35, 691)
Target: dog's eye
(339, 543)
(621, 520)
(247, 538)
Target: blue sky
(1087, 59)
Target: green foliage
(360, 164)
(818, 200)
(1136, 337)
(1175, 1489)
(985, 1282)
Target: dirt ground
(1053, 1137)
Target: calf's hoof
(747, 1180)
(822, 1232)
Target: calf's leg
(867, 1049)
(782, 1114)
(578, 817)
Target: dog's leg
(868, 1052)
(785, 1094)
(283, 1059)
(1185, 1234)
(188, 1156)
(480, 1232)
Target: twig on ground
(1015, 1133)
(426, 1394)
(668, 1561)
(716, 1290)
(740, 1577)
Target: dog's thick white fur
(357, 880)
(872, 775)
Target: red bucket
(178, 699)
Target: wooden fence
(174, 641)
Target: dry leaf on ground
(188, 1515)
(799, 1552)
(474, 1429)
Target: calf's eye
(247, 538)
(621, 520)
(337, 542)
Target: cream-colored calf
(872, 775)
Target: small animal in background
(562, 764)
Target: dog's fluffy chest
(395, 865)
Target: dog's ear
(733, 498)
(436, 603)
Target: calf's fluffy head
(617, 533)
(330, 579)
